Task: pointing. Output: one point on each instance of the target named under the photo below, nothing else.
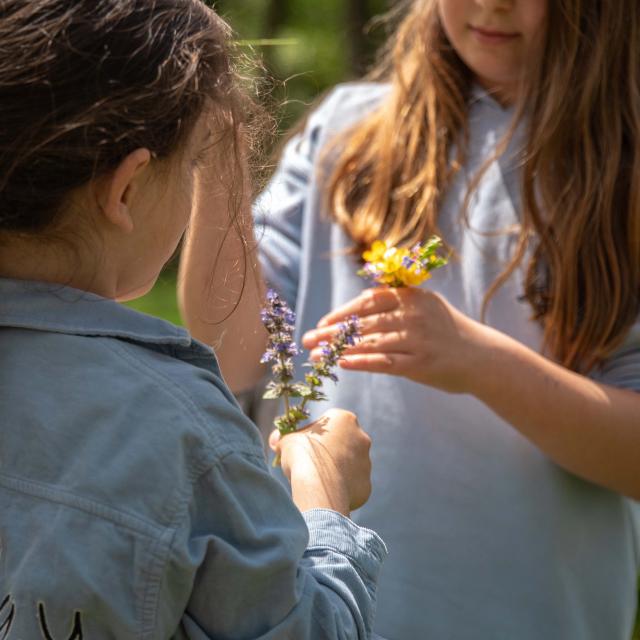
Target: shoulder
(126, 425)
(341, 108)
(348, 102)
(187, 380)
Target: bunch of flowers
(402, 267)
(279, 321)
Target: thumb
(274, 440)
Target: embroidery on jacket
(8, 609)
(76, 632)
(8, 614)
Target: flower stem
(287, 405)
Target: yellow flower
(376, 252)
(399, 266)
(392, 260)
(413, 277)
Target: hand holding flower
(401, 267)
(327, 463)
(413, 333)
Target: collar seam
(180, 338)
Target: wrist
(312, 489)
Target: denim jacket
(134, 497)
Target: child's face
(495, 38)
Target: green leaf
(274, 390)
(296, 414)
(313, 380)
(302, 390)
(286, 424)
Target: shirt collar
(481, 95)
(51, 307)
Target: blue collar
(50, 307)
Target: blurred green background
(307, 45)
(310, 46)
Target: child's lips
(493, 36)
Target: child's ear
(117, 190)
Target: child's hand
(327, 463)
(413, 333)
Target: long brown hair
(580, 176)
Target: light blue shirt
(135, 501)
(489, 539)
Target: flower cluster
(348, 332)
(279, 321)
(402, 267)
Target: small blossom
(279, 321)
(402, 267)
(283, 369)
(268, 356)
(326, 349)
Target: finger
(312, 338)
(385, 322)
(380, 322)
(274, 440)
(369, 302)
(383, 342)
(397, 364)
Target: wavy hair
(84, 83)
(580, 173)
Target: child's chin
(137, 292)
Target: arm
(589, 428)
(278, 214)
(254, 570)
(211, 278)
(219, 270)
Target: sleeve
(257, 571)
(278, 212)
(622, 369)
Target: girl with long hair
(502, 395)
(135, 499)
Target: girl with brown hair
(135, 501)
(502, 396)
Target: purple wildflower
(326, 348)
(279, 321)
